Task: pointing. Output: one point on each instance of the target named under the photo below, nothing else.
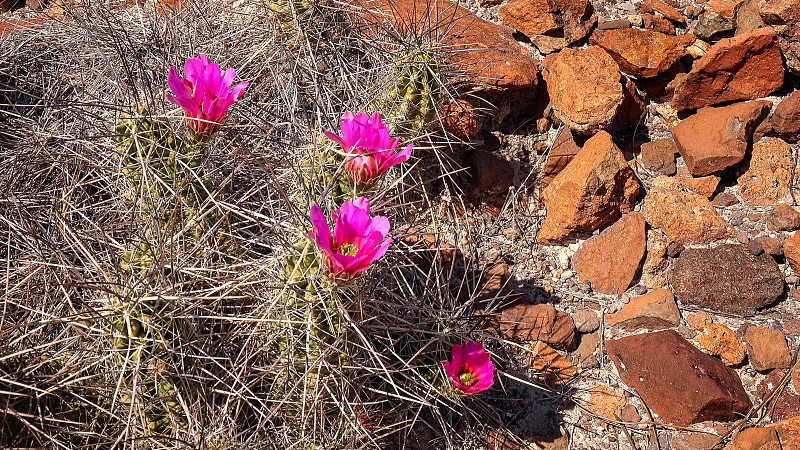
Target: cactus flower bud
(204, 94)
(366, 141)
(357, 240)
(471, 370)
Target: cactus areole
(204, 94)
(357, 239)
(369, 147)
(471, 369)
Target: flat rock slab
(656, 310)
(716, 137)
(744, 67)
(728, 279)
(676, 380)
(610, 260)
(528, 322)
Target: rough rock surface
(642, 53)
(578, 18)
(786, 118)
(768, 174)
(718, 340)
(655, 311)
(740, 68)
(595, 188)
(783, 218)
(718, 16)
(679, 382)
(659, 156)
(563, 151)
(584, 87)
(685, 217)
(780, 12)
(791, 249)
(488, 173)
(716, 137)
(755, 438)
(728, 279)
(705, 186)
(611, 259)
(531, 17)
(528, 322)
(767, 348)
(553, 368)
(665, 10)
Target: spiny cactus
(416, 93)
(323, 175)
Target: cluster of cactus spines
(289, 16)
(416, 92)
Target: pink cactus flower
(204, 94)
(367, 140)
(471, 370)
(357, 240)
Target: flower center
(468, 378)
(348, 249)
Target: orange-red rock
(578, 18)
(705, 186)
(676, 380)
(744, 67)
(553, 368)
(718, 340)
(495, 60)
(718, 16)
(665, 10)
(458, 118)
(780, 12)
(659, 156)
(786, 118)
(610, 260)
(685, 217)
(754, 439)
(767, 348)
(655, 263)
(654, 23)
(531, 17)
(606, 402)
(791, 249)
(563, 151)
(788, 433)
(528, 322)
(16, 25)
(584, 87)
(594, 189)
(716, 137)
(769, 173)
(642, 53)
(656, 310)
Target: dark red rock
(654, 23)
(676, 380)
(659, 156)
(527, 322)
(578, 18)
(785, 405)
(786, 118)
(717, 137)
(744, 67)
(728, 279)
(488, 173)
(642, 53)
(724, 199)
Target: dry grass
(208, 345)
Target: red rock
(788, 433)
(791, 249)
(659, 156)
(767, 348)
(458, 118)
(488, 173)
(728, 279)
(578, 18)
(786, 118)
(552, 368)
(685, 217)
(780, 12)
(676, 380)
(753, 439)
(692, 440)
(527, 322)
(716, 138)
(665, 10)
(594, 189)
(587, 346)
(783, 218)
(584, 88)
(789, 41)
(718, 340)
(768, 174)
(744, 67)
(642, 53)
(610, 260)
(563, 151)
(531, 17)
(495, 61)
(748, 17)
(705, 186)
(605, 403)
(718, 16)
(771, 245)
(784, 403)
(548, 44)
(724, 199)
(655, 311)
(613, 24)
(654, 23)
(655, 263)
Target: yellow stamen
(348, 249)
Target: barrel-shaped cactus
(416, 92)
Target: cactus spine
(416, 93)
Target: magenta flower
(367, 140)
(357, 240)
(471, 370)
(204, 94)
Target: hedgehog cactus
(416, 94)
(289, 15)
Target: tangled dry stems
(239, 374)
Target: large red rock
(685, 217)
(597, 187)
(717, 137)
(744, 67)
(676, 380)
(768, 174)
(562, 152)
(786, 118)
(584, 88)
(788, 432)
(791, 249)
(531, 17)
(656, 310)
(728, 279)
(495, 60)
(578, 18)
(610, 260)
(641, 53)
(767, 348)
(718, 16)
(780, 12)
